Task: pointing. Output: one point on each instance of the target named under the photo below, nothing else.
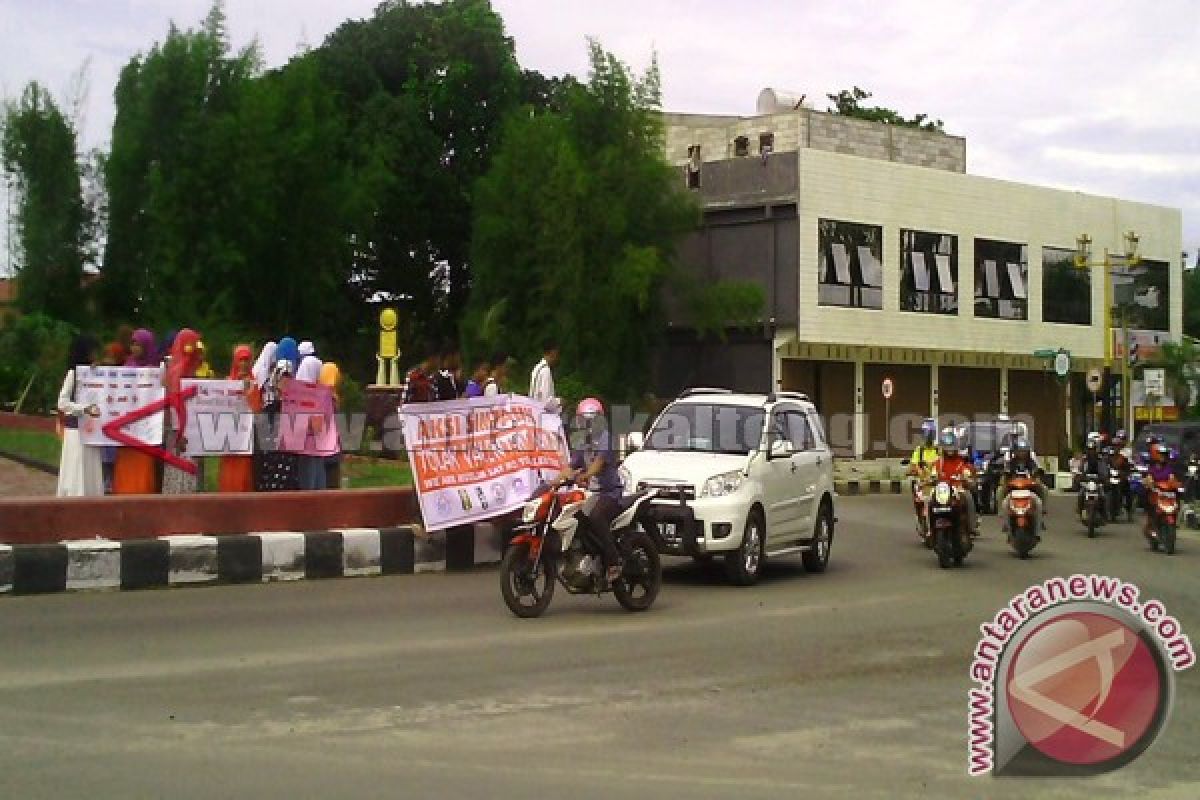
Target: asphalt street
(848, 684)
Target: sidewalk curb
(869, 487)
(199, 560)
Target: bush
(33, 347)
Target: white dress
(80, 470)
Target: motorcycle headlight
(723, 484)
(1091, 486)
(626, 479)
(530, 511)
(942, 494)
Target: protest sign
(217, 421)
(479, 458)
(306, 424)
(120, 392)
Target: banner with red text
(306, 426)
(479, 458)
(119, 391)
(219, 421)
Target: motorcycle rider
(1093, 463)
(594, 466)
(953, 465)
(1158, 469)
(1022, 460)
(922, 461)
(1118, 462)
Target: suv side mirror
(781, 448)
(635, 441)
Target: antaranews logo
(1075, 676)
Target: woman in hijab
(311, 468)
(80, 470)
(331, 376)
(184, 359)
(275, 471)
(137, 472)
(236, 473)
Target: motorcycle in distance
(1192, 486)
(1163, 499)
(1022, 517)
(1116, 488)
(951, 540)
(1092, 500)
(986, 491)
(554, 543)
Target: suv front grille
(668, 490)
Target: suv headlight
(626, 479)
(723, 484)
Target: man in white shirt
(541, 380)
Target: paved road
(847, 684)
(17, 480)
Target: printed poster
(219, 421)
(119, 391)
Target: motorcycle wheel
(642, 573)
(1023, 544)
(942, 546)
(520, 588)
(1166, 533)
(1091, 525)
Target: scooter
(1091, 504)
(1163, 500)
(1023, 520)
(1192, 482)
(947, 518)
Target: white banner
(479, 458)
(219, 421)
(119, 391)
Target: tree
(1178, 361)
(848, 103)
(1191, 302)
(39, 151)
(575, 229)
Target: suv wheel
(816, 559)
(745, 563)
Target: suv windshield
(703, 428)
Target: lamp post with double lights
(1110, 262)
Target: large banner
(120, 391)
(218, 420)
(479, 458)
(306, 424)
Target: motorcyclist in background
(1094, 463)
(1022, 460)
(925, 456)
(1158, 469)
(594, 467)
(954, 466)
(1118, 462)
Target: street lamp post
(1111, 261)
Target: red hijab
(242, 354)
(185, 359)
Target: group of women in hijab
(82, 467)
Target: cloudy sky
(1095, 95)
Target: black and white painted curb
(242, 558)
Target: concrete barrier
(191, 560)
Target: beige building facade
(880, 257)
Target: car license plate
(670, 531)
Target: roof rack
(773, 396)
(702, 390)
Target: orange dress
(236, 473)
(134, 472)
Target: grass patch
(370, 473)
(39, 446)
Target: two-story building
(880, 257)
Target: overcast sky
(1094, 95)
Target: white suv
(743, 475)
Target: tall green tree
(39, 150)
(1179, 361)
(424, 88)
(575, 229)
(1191, 302)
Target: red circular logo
(1084, 688)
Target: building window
(1143, 294)
(1001, 280)
(693, 166)
(929, 272)
(741, 146)
(850, 264)
(1066, 289)
(766, 143)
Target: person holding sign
(185, 359)
(311, 468)
(137, 472)
(80, 468)
(236, 473)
